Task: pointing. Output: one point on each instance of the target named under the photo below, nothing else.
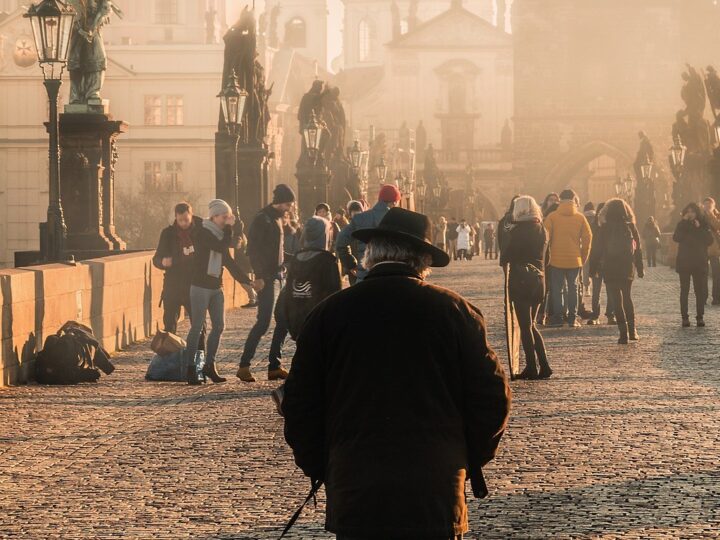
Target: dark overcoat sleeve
(304, 401)
(163, 250)
(486, 393)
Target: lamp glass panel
(66, 24)
(37, 36)
(52, 38)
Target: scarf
(215, 258)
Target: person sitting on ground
(616, 254)
(525, 254)
(212, 253)
(395, 463)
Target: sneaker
(592, 322)
(575, 324)
(611, 320)
(243, 373)
(277, 374)
(277, 396)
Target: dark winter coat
(526, 244)
(205, 242)
(693, 243)
(177, 278)
(266, 244)
(651, 235)
(613, 267)
(394, 407)
(313, 276)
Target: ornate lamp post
(381, 169)
(51, 22)
(678, 151)
(399, 180)
(356, 156)
(437, 193)
(312, 137)
(232, 103)
(646, 170)
(421, 190)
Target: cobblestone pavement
(622, 442)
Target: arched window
(363, 41)
(295, 33)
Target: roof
(358, 82)
(456, 28)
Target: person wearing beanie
(211, 241)
(570, 239)
(266, 249)
(389, 197)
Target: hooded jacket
(395, 445)
(569, 237)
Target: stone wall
(117, 296)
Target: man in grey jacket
(389, 197)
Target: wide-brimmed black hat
(411, 227)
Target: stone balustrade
(117, 296)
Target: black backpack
(620, 245)
(73, 355)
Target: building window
(174, 109)
(295, 33)
(166, 11)
(173, 170)
(153, 110)
(363, 41)
(152, 176)
(404, 26)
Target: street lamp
(646, 169)
(232, 103)
(381, 169)
(51, 22)
(677, 153)
(356, 155)
(421, 190)
(399, 180)
(312, 136)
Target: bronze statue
(333, 114)
(712, 85)
(310, 103)
(693, 93)
(87, 60)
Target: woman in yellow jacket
(570, 239)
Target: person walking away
(212, 243)
(616, 254)
(713, 219)
(389, 197)
(174, 255)
(489, 241)
(395, 465)
(452, 238)
(525, 253)
(267, 255)
(477, 237)
(570, 239)
(314, 276)
(463, 240)
(693, 237)
(651, 241)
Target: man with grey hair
(394, 396)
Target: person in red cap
(388, 198)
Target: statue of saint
(310, 102)
(712, 85)
(87, 60)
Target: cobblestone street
(622, 441)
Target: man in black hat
(266, 251)
(395, 398)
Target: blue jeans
(203, 301)
(266, 303)
(558, 278)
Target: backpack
(71, 356)
(621, 245)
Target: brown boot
(243, 373)
(277, 374)
(211, 372)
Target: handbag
(526, 281)
(165, 343)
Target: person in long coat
(694, 237)
(615, 255)
(395, 408)
(525, 253)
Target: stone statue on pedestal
(87, 60)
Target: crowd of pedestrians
(451, 407)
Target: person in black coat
(525, 247)
(597, 278)
(615, 255)
(694, 237)
(651, 240)
(394, 396)
(174, 255)
(266, 249)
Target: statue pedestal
(313, 186)
(252, 167)
(94, 106)
(87, 174)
